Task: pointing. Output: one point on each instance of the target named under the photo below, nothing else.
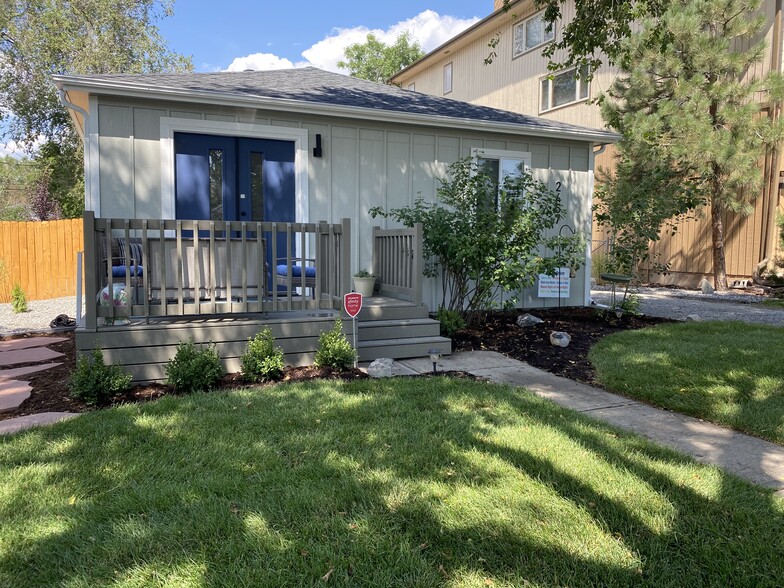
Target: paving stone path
(14, 392)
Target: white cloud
(259, 61)
(429, 28)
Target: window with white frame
(499, 164)
(563, 88)
(412, 86)
(448, 78)
(531, 33)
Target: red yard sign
(352, 302)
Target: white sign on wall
(555, 286)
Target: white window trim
(522, 24)
(550, 78)
(451, 67)
(524, 156)
(171, 125)
(412, 86)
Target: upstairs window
(563, 88)
(448, 78)
(412, 87)
(531, 33)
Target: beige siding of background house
(363, 165)
(514, 84)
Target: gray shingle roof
(313, 85)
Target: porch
(151, 284)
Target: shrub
(334, 349)
(95, 382)
(194, 369)
(451, 321)
(18, 299)
(262, 361)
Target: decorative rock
(380, 368)
(527, 320)
(706, 286)
(560, 338)
(695, 318)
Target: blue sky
(266, 35)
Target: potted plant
(364, 282)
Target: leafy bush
(483, 238)
(194, 369)
(18, 299)
(451, 321)
(95, 382)
(334, 349)
(363, 273)
(262, 361)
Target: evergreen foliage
(194, 369)
(18, 299)
(95, 382)
(262, 361)
(376, 61)
(334, 350)
(690, 115)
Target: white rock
(381, 368)
(706, 286)
(527, 320)
(694, 318)
(560, 338)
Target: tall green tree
(376, 61)
(690, 113)
(40, 38)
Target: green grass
(726, 372)
(773, 303)
(405, 482)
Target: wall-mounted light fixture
(317, 151)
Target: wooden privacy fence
(40, 257)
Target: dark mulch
(497, 332)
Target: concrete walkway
(748, 457)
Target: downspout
(74, 107)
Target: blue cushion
(296, 271)
(118, 271)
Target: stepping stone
(24, 371)
(33, 420)
(13, 393)
(14, 344)
(31, 355)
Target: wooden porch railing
(191, 267)
(397, 261)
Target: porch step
(397, 329)
(390, 309)
(403, 348)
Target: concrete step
(403, 348)
(371, 312)
(398, 329)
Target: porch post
(418, 265)
(90, 269)
(345, 257)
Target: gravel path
(678, 304)
(38, 317)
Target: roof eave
(131, 90)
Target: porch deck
(210, 281)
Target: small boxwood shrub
(194, 368)
(262, 361)
(334, 350)
(451, 321)
(18, 299)
(95, 382)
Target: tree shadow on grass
(382, 483)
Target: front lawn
(404, 482)
(727, 372)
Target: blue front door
(231, 178)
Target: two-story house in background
(517, 79)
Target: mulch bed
(498, 331)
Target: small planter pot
(364, 286)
